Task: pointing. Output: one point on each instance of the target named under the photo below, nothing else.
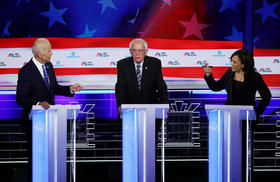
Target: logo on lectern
(40, 126)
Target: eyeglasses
(138, 50)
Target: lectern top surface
(58, 107)
(157, 106)
(232, 107)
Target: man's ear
(39, 53)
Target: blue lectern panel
(39, 154)
(130, 146)
(215, 151)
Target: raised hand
(207, 70)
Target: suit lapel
(38, 75)
(133, 72)
(145, 69)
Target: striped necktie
(138, 75)
(46, 77)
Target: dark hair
(246, 59)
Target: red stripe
(266, 52)
(177, 72)
(271, 80)
(85, 71)
(9, 71)
(191, 72)
(69, 71)
(67, 43)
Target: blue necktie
(138, 75)
(46, 77)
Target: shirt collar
(36, 62)
(141, 63)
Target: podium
(138, 139)
(49, 142)
(225, 142)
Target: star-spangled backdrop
(168, 19)
(90, 36)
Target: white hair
(138, 40)
(37, 46)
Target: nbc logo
(102, 54)
(276, 61)
(265, 70)
(113, 63)
(88, 63)
(160, 54)
(2, 64)
(173, 63)
(13, 55)
(190, 53)
(202, 63)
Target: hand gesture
(76, 87)
(207, 70)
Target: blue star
(229, 4)
(133, 20)
(6, 31)
(54, 15)
(19, 1)
(87, 33)
(255, 41)
(235, 35)
(267, 11)
(105, 4)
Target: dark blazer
(153, 87)
(252, 82)
(31, 88)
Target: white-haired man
(37, 85)
(140, 79)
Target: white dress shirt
(39, 66)
(141, 68)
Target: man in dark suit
(37, 85)
(140, 79)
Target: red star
(193, 27)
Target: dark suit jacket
(252, 82)
(31, 88)
(153, 87)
